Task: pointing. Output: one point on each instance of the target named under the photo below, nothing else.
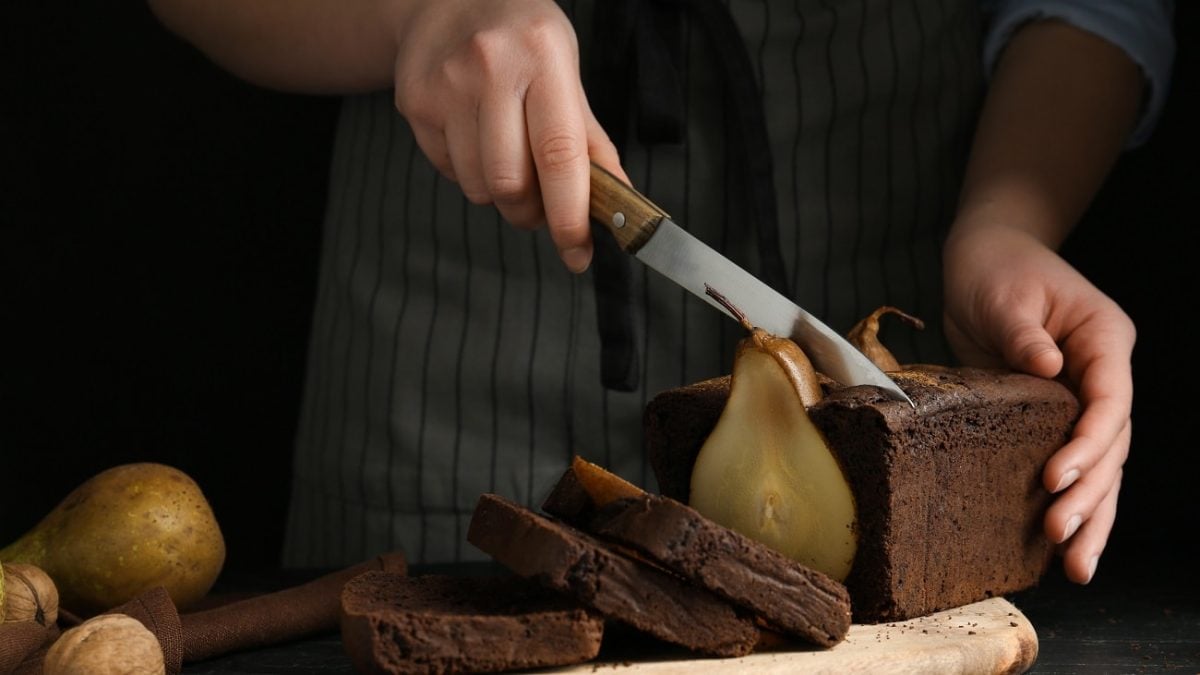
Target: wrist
(983, 236)
(1017, 207)
(393, 18)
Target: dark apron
(453, 355)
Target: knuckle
(411, 102)
(560, 150)
(508, 187)
(1129, 327)
(568, 234)
(489, 52)
(473, 186)
(455, 74)
(548, 34)
(476, 196)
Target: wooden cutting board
(991, 636)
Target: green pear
(122, 532)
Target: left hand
(1012, 301)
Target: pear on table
(122, 532)
(766, 470)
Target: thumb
(1029, 348)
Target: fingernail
(1067, 479)
(1073, 524)
(576, 259)
(1092, 567)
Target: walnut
(29, 595)
(109, 644)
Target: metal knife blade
(647, 232)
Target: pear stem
(724, 302)
(904, 316)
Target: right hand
(493, 94)
(1012, 301)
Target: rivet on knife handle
(624, 211)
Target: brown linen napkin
(263, 620)
(276, 617)
(21, 642)
(153, 608)
(156, 611)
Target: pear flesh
(766, 471)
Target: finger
(1078, 504)
(1029, 348)
(1082, 553)
(970, 352)
(558, 137)
(462, 144)
(433, 144)
(507, 163)
(1095, 433)
(1106, 393)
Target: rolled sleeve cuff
(1141, 28)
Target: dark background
(159, 229)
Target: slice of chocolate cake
(393, 623)
(949, 495)
(790, 597)
(618, 587)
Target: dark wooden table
(1140, 615)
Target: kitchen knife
(647, 232)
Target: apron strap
(638, 52)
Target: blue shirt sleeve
(1142, 28)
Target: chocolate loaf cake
(789, 597)
(393, 623)
(572, 562)
(949, 495)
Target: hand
(493, 95)
(1012, 301)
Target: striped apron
(452, 354)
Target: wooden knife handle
(624, 211)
